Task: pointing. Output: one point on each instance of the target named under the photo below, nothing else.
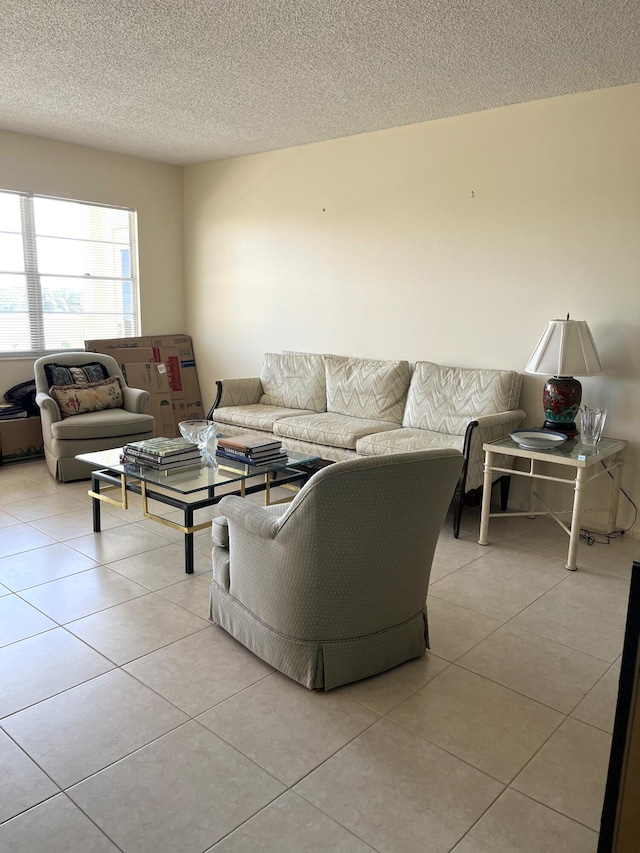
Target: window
(67, 274)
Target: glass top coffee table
(187, 489)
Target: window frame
(32, 275)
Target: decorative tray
(537, 439)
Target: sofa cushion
(403, 440)
(330, 428)
(254, 416)
(320, 451)
(366, 388)
(294, 380)
(103, 424)
(445, 399)
(92, 397)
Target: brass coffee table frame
(108, 479)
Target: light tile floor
(129, 723)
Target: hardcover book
(280, 458)
(263, 455)
(144, 457)
(248, 443)
(127, 459)
(162, 446)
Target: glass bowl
(202, 433)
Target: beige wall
(34, 164)
(453, 241)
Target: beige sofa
(340, 407)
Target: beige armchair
(64, 438)
(333, 588)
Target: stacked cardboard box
(165, 366)
(152, 377)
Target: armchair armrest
(238, 392)
(135, 400)
(250, 517)
(220, 531)
(49, 409)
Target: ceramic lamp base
(561, 399)
(570, 430)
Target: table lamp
(566, 349)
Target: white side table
(585, 461)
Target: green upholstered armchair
(333, 587)
(65, 437)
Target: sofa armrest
(491, 427)
(135, 400)
(251, 518)
(479, 431)
(49, 410)
(238, 392)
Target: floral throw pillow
(93, 397)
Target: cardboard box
(177, 352)
(105, 344)
(161, 407)
(174, 351)
(21, 440)
(180, 342)
(126, 355)
(154, 378)
(182, 411)
(149, 376)
(171, 359)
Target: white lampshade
(565, 349)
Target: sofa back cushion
(446, 399)
(366, 388)
(294, 380)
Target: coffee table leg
(95, 487)
(188, 542)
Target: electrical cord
(605, 538)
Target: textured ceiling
(184, 81)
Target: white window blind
(67, 274)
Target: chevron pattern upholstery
(294, 381)
(365, 388)
(405, 440)
(445, 399)
(330, 429)
(238, 392)
(376, 408)
(256, 416)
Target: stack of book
(9, 411)
(251, 449)
(162, 454)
